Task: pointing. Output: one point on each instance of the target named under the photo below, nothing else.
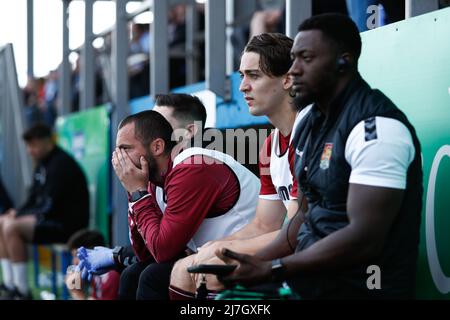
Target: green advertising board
(410, 62)
(85, 135)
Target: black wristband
(137, 195)
(116, 255)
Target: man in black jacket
(56, 207)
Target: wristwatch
(136, 195)
(278, 270)
(116, 255)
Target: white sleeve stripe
(269, 196)
(378, 182)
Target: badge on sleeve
(326, 156)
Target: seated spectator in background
(75, 89)
(76, 82)
(138, 60)
(268, 18)
(30, 97)
(140, 38)
(48, 105)
(105, 286)
(177, 43)
(56, 207)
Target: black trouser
(154, 282)
(129, 280)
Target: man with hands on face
(187, 116)
(358, 167)
(208, 195)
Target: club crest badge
(326, 156)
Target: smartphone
(217, 269)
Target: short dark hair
(338, 28)
(85, 238)
(150, 125)
(37, 131)
(185, 107)
(274, 50)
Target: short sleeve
(379, 151)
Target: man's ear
(157, 147)
(287, 82)
(345, 61)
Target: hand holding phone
(217, 269)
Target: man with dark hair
(266, 87)
(208, 195)
(187, 116)
(105, 286)
(359, 170)
(57, 206)
(181, 110)
(85, 238)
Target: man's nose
(295, 69)
(244, 86)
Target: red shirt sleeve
(137, 242)
(267, 187)
(193, 192)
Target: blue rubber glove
(94, 261)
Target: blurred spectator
(268, 18)
(56, 207)
(177, 42)
(30, 97)
(75, 89)
(105, 286)
(138, 61)
(177, 25)
(48, 105)
(140, 41)
(76, 83)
